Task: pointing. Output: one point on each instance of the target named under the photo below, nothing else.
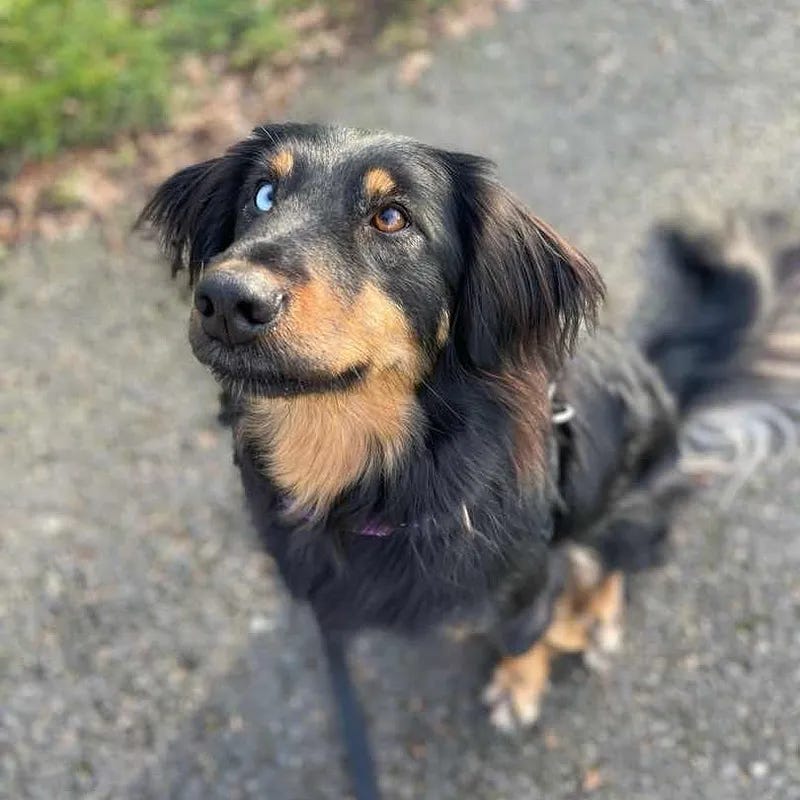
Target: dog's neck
(315, 446)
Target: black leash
(352, 723)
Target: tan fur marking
(254, 275)
(608, 608)
(443, 331)
(569, 630)
(337, 334)
(517, 686)
(378, 182)
(585, 571)
(587, 618)
(315, 446)
(608, 601)
(281, 163)
(524, 391)
(589, 599)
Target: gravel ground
(146, 648)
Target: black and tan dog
(417, 445)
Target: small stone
(416, 750)
(53, 585)
(260, 624)
(236, 723)
(759, 769)
(551, 740)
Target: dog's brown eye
(389, 219)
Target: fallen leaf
(592, 780)
(413, 66)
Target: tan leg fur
(587, 618)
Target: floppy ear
(525, 289)
(194, 211)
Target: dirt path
(146, 650)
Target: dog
(431, 429)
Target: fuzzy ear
(525, 289)
(194, 211)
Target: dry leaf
(592, 780)
(413, 66)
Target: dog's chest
(404, 579)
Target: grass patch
(72, 71)
(75, 72)
(246, 31)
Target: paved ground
(146, 650)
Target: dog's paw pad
(508, 717)
(606, 641)
(513, 701)
(608, 637)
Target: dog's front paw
(514, 693)
(606, 641)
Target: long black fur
(517, 296)
(511, 289)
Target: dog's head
(321, 256)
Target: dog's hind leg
(515, 691)
(607, 609)
(586, 618)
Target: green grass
(72, 71)
(75, 72)
(247, 31)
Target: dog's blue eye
(264, 197)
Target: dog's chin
(246, 372)
(271, 384)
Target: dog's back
(712, 358)
(710, 340)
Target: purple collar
(375, 529)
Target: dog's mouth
(257, 371)
(273, 384)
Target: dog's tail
(723, 329)
(715, 300)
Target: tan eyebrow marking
(378, 182)
(282, 163)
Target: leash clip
(561, 413)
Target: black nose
(236, 308)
